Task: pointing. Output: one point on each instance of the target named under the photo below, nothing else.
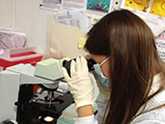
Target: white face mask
(99, 74)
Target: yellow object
(158, 7)
(137, 4)
(81, 42)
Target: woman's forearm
(85, 111)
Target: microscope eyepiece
(67, 64)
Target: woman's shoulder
(153, 117)
(149, 114)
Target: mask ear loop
(104, 61)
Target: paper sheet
(160, 43)
(51, 4)
(141, 5)
(74, 4)
(115, 4)
(73, 18)
(99, 5)
(158, 7)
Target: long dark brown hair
(134, 61)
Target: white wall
(6, 13)
(26, 16)
(28, 19)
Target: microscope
(43, 103)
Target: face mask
(99, 74)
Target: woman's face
(105, 66)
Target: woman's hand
(83, 89)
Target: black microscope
(42, 103)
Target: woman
(124, 48)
